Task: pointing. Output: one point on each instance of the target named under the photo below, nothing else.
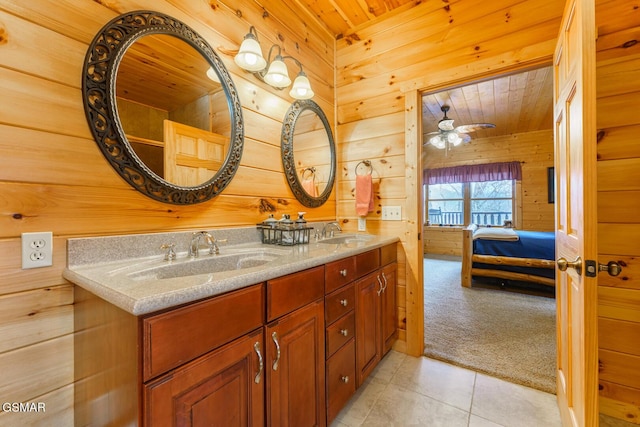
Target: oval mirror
(308, 153)
(162, 108)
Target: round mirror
(308, 153)
(163, 108)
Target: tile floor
(408, 391)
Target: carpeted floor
(503, 334)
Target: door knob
(563, 264)
(612, 267)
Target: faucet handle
(171, 253)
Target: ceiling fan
(448, 135)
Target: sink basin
(208, 264)
(347, 239)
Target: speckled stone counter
(123, 270)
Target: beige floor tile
(400, 407)
(441, 381)
(388, 366)
(513, 405)
(476, 421)
(359, 406)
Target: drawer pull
(343, 273)
(344, 379)
(256, 347)
(344, 302)
(344, 332)
(274, 337)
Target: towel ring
(311, 170)
(367, 163)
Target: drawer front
(340, 332)
(367, 262)
(341, 382)
(288, 293)
(172, 338)
(339, 303)
(339, 273)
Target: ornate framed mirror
(308, 153)
(162, 108)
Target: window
(482, 194)
(482, 203)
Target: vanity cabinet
(284, 352)
(376, 316)
(295, 347)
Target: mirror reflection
(173, 109)
(308, 153)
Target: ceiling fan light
(277, 75)
(454, 139)
(437, 142)
(301, 87)
(249, 57)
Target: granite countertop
(120, 269)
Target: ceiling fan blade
(434, 133)
(473, 127)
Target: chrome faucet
(329, 227)
(211, 242)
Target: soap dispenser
(302, 235)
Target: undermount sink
(208, 264)
(347, 239)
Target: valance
(474, 173)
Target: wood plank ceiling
(515, 104)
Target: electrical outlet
(37, 249)
(391, 213)
(362, 223)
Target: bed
(496, 252)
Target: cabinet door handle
(385, 282)
(274, 337)
(344, 302)
(343, 273)
(380, 284)
(256, 347)
(344, 379)
(344, 332)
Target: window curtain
(474, 173)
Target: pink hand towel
(364, 194)
(309, 186)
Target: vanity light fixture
(273, 72)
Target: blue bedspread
(531, 244)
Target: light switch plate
(362, 223)
(391, 213)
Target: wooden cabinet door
(222, 388)
(295, 368)
(388, 308)
(368, 347)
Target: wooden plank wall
(54, 178)
(428, 47)
(618, 92)
(533, 149)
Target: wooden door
(388, 307)
(576, 232)
(192, 156)
(368, 346)
(222, 388)
(295, 363)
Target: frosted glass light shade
(249, 57)
(437, 141)
(277, 75)
(301, 87)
